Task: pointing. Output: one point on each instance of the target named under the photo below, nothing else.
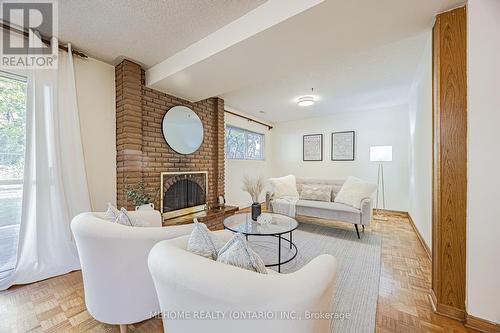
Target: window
(242, 144)
(255, 146)
(12, 144)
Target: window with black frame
(242, 144)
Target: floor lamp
(380, 154)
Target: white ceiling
(371, 79)
(146, 31)
(356, 54)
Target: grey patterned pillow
(236, 252)
(112, 212)
(125, 218)
(317, 192)
(203, 242)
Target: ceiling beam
(261, 18)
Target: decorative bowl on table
(264, 219)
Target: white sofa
(193, 286)
(330, 210)
(116, 280)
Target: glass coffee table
(277, 227)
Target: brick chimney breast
(141, 150)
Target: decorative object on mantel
(221, 200)
(150, 206)
(182, 130)
(138, 197)
(254, 187)
(380, 154)
(343, 146)
(312, 147)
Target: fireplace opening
(182, 194)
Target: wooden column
(449, 163)
(221, 159)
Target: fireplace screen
(183, 193)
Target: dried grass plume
(254, 187)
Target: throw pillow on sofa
(284, 186)
(125, 218)
(111, 213)
(237, 253)
(316, 192)
(353, 191)
(203, 242)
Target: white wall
(420, 112)
(388, 126)
(236, 169)
(483, 222)
(95, 86)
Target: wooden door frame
(449, 202)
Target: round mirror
(182, 130)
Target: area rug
(358, 274)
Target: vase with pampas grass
(254, 187)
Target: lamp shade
(381, 154)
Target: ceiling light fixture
(307, 100)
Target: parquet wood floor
(57, 304)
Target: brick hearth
(142, 152)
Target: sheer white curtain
(55, 182)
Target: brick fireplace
(183, 193)
(143, 154)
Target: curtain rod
(249, 119)
(44, 39)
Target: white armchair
(191, 285)
(117, 284)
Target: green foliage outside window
(242, 144)
(12, 127)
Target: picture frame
(343, 147)
(312, 147)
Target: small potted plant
(254, 187)
(136, 194)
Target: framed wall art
(312, 147)
(343, 146)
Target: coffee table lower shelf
(277, 225)
(292, 247)
(280, 239)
